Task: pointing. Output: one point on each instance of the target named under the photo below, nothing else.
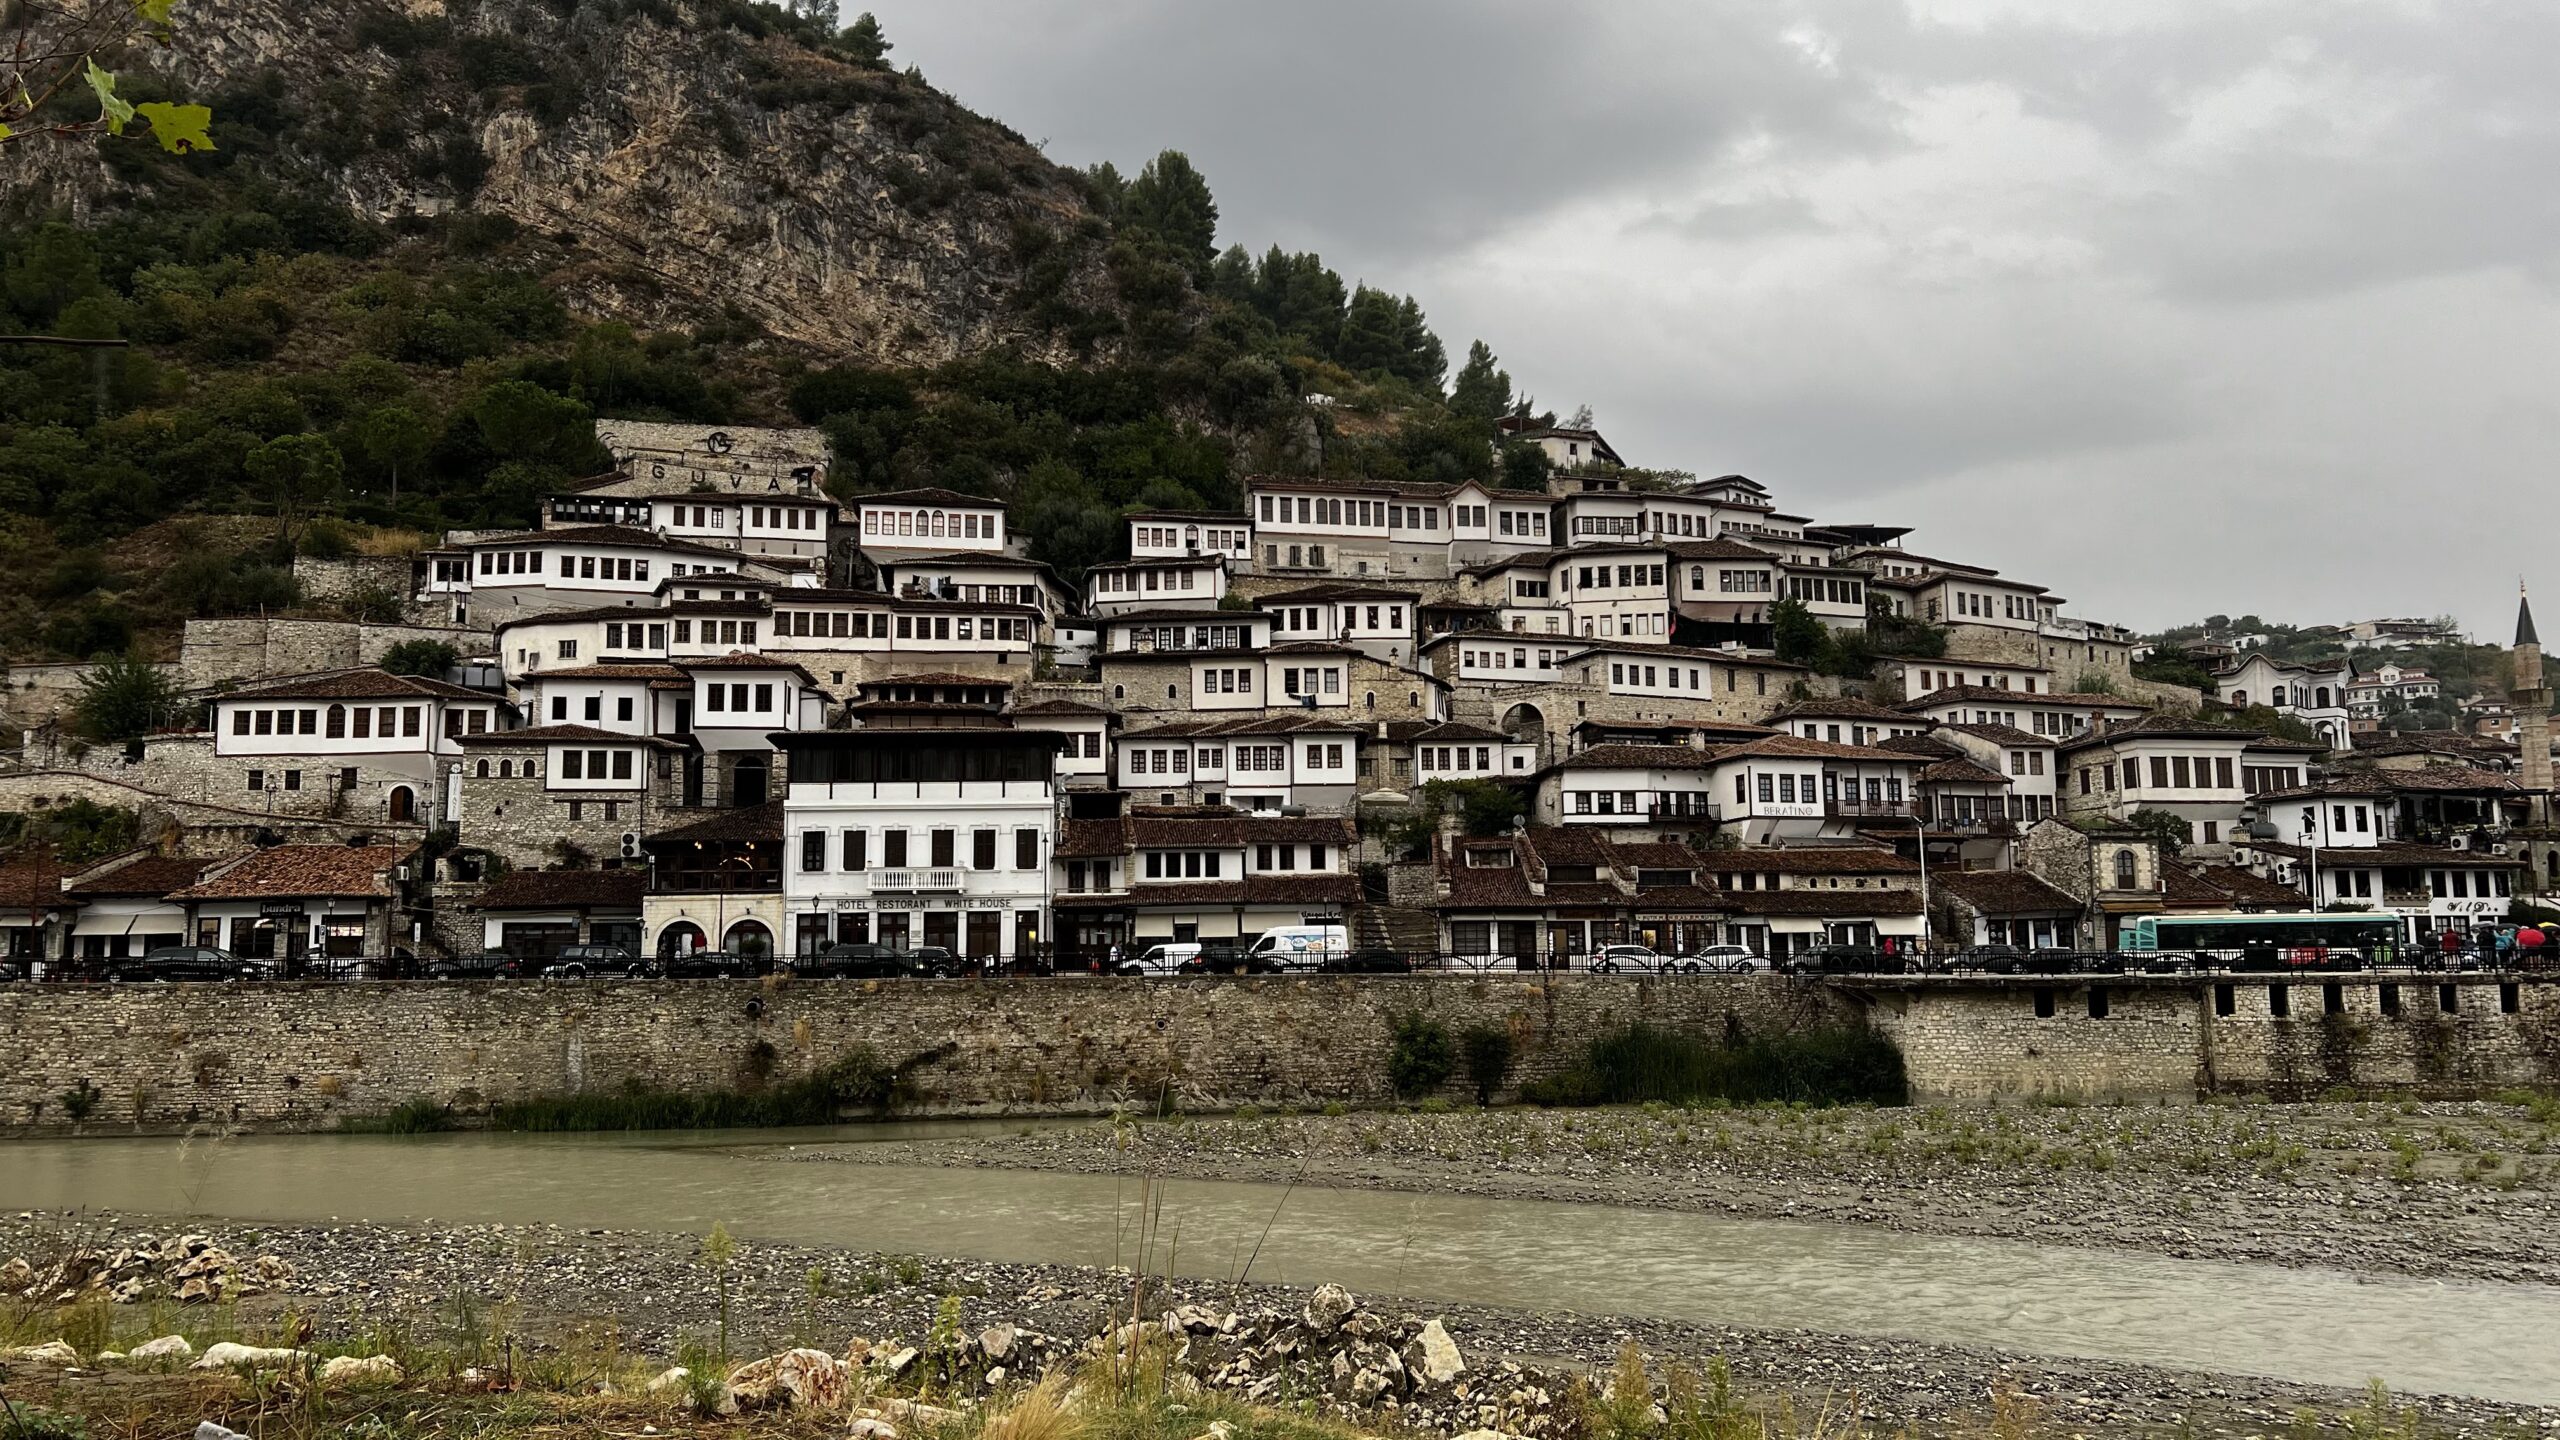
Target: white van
(1300, 947)
(1165, 959)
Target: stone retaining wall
(2179, 1038)
(306, 1055)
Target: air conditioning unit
(2458, 842)
(630, 844)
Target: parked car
(190, 962)
(1992, 959)
(711, 965)
(1722, 960)
(1170, 958)
(933, 962)
(1302, 947)
(1222, 959)
(576, 961)
(1845, 960)
(1636, 959)
(487, 965)
(859, 960)
(1367, 962)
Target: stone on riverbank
(1328, 1308)
(167, 1347)
(1432, 1357)
(51, 1352)
(360, 1370)
(802, 1379)
(227, 1356)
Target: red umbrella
(2529, 938)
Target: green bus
(2303, 941)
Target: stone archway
(403, 805)
(679, 938)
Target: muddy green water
(2323, 1327)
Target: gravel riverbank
(655, 1291)
(2449, 1190)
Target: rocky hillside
(689, 159)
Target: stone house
(531, 914)
(353, 744)
(716, 883)
(1163, 874)
(291, 902)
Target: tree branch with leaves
(53, 50)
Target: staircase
(1400, 928)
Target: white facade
(921, 838)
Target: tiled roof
(1637, 757)
(565, 890)
(752, 822)
(1190, 615)
(360, 685)
(939, 677)
(149, 875)
(635, 670)
(1810, 860)
(1061, 707)
(990, 559)
(1960, 772)
(1320, 594)
(2000, 734)
(928, 495)
(1953, 693)
(1841, 708)
(1671, 652)
(1924, 745)
(1205, 827)
(1247, 725)
(738, 660)
(1797, 747)
(1215, 517)
(718, 607)
(26, 883)
(1417, 731)
(1410, 490)
(1250, 890)
(598, 612)
(622, 535)
(2243, 887)
(291, 871)
(2004, 892)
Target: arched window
(2323, 693)
(484, 769)
(1191, 537)
(749, 938)
(1119, 692)
(2240, 697)
(1698, 578)
(404, 805)
(2124, 869)
(937, 522)
(679, 938)
(506, 769)
(1370, 699)
(337, 722)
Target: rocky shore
(2441, 1190)
(524, 1291)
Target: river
(2310, 1326)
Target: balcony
(1848, 809)
(915, 882)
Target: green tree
(1482, 390)
(394, 438)
(124, 697)
(433, 659)
(1800, 638)
(298, 476)
(863, 41)
(2164, 828)
(1170, 200)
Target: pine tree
(1170, 200)
(1482, 390)
(863, 41)
(1425, 362)
(1372, 334)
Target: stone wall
(309, 1055)
(336, 581)
(199, 827)
(243, 649)
(2178, 1037)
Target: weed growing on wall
(1835, 1065)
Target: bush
(431, 658)
(860, 1080)
(1835, 1065)
(1486, 1050)
(1418, 1058)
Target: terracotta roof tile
(1811, 860)
(565, 890)
(360, 685)
(2003, 892)
(289, 871)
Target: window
(946, 847)
(2124, 870)
(813, 851)
(982, 850)
(856, 849)
(1026, 849)
(257, 779)
(893, 849)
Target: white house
(2317, 695)
(936, 836)
(1262, 763)
(904, 523)
(1179, 874)
(356, 741)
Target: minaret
(2533, 713)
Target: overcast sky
(2177, 307)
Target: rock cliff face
(693, 159)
